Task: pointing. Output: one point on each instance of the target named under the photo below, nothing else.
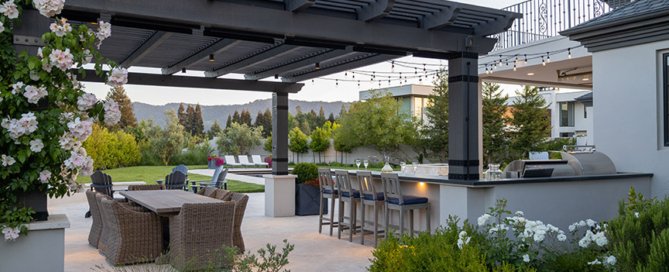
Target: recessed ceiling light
(530, 74)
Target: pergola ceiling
(286, 38)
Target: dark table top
(165, 202)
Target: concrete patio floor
(313, 251)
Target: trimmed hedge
(305, 172)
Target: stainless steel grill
(581, 163)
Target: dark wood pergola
(295, 40)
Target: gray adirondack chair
(176, 181)
(217, 180)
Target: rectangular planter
(212, 164)
(37, 200)
(43, 249)
(307, 200)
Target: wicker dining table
(165, 202)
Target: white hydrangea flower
(561, 237)
(590, 222)
(36, 145)
(483, 219)
(520, 213)
(526, 258)
(7, 160)
(611, 260)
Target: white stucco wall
(628, 98)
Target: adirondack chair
(244, 160)
(230, 160)
(176, 181)
(181, 168)
(217, 180)
(258, 161)
(101, 183)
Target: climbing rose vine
(45, 113)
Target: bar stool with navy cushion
(395, 200)
(347, 195)
(328, 191)
(370, 197)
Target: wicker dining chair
(208, 191)
(96, 226)
(134, 237)
(240, 207)
(224, 195)
(198, 233)
(146, 187)
(106, 232)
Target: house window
(567, 114)
(566, 134)
(665, 73)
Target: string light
(569, 50)
(336, 83)
(358, 84)
(392, 69)
(543, 62)
(353, 74)
(373, 74)
(549, 56)
(211, 57)
(525, 59)
(312, 82)
(415, 71)
(486, 70)
(424, 69)
(318, 65)
(346, 74)
(500, 60)
(388, 80)
(514, 67)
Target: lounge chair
(244, 161)
(230, 160)
(258, 161)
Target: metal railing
(546, 18)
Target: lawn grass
(150, 174)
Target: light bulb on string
(415, 71)
(514, 67)
(373, 74)
(486, 69)
(516, 62)
(312, 82)
(424, 69)
(345, 74)
(392, 69)
(549, 56)
(526, 59)
(569, 50)
(358, 84)
(400, 76)
(500, 60)
(353, 74)
(543, 62)
(507, 63)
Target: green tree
(189, 124)
(268, 144)
(331, 118)
(493, 119)
(239, 139)
(305, 127)
(168, 141)
(260, 120)
(530, 120)
(320, 120)
(236, 118)
(342, 112)
(246, 118)
(297, 142)
(128, 118)
(267, 123)
(214, 130)
(319, 142)
(434, 133)
(229, 122)
(379, 123)
(182, 115)
(198, 123)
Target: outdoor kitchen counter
(560, 201)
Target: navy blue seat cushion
(379, 196)
(408, 200)
(356, 194)
(328, 191)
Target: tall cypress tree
(320, 121)
(190, 121)
(530, 119)
(236, 118)
(331, 118)
(229, 122)
(128, 118)
(245, 118)
(493, 119)
(214, 130)
(267, 125)
(435, 132)
(183, 117)
(197, 122)
(260, 120)
(342, 112)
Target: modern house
(571, 114)
(413, 98)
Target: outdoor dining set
(164, 222)
(340, 188)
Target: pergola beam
(202, 83)
(216, 48)
(297, 5)
(146, 48)
(301, 64)
(265, 56)
(441, 19)
(375, 10)
(241, 17)
(339, 67)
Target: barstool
(327, 191)
(392, 193)
(370, 198)
(347, 194)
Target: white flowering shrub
(45, 113)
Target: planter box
(307, 200)
(43, 249)
(212, 164)
(37, 201)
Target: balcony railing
(546, 18)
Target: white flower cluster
(104, 31)
(7, 160)
(45, 176)
(86, 101)
(80, 129)
(598, 236)
(112, 112)
(67, 142)
(61, 59)
(463, 239)
(34, 94)
(61, 29)
(11, 233)
(117, 77)
(17, 87)
(49, 8)
(9, 9)
(36, 145)
(79, 160)
(608, 261)
(24, 126)
(526, 258)
(484, 219)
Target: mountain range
(210, 113)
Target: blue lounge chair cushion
(408, 200)
(379, 196)
(328, 191)
(356, 194)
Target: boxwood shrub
(305, 172)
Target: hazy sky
(320, 90)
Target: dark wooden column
(464, 97)
(280, 134)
